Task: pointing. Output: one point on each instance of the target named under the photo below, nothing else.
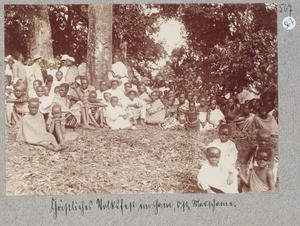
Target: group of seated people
(43, 107)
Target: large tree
(40, 35)
(99, 47)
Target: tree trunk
(41, 36)
(99, 49)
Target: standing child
(19, 104)
(33, 129)
(202, 109)
(182, 108)
(214, 177)
(260, 178)
(192, 122)
(227, 147)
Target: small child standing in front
(19, 104)
(56, 123)
(214, 177)
(192, 122)
(228, 148)
(261, 177)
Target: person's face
(63, 91)
(114, 102)
(35, 84)
(103, 86)
(116, 58)
(58, 75)
(257, 105)
(84, 84)
(107, 97)
(56, 90)
(10, 63)
(190, 96)
(131, 95)
(51, 66)
(262, 159)
(46, 91)
(171, 101)
(127, 86)
(213, 105)
(246, 109)
(92, 97)
(56, 112)
(18, 92)
(154, 96)
(58, 64)
(33, 108)
(224, 135)
(230, 102)
(263, 140)
(114, 85)
(202, 102)
(181, 98)
(141, 88)
(213, 157)
(195, 98)
(39, 91)
(69, 63)
(171, 93)
(192, 106)
(263, 113)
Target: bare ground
(146, 160)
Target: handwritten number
(286, 8)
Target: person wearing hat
(36, 67)
(72, 71)
(135, 107)
(115, 89)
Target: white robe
(114, 119)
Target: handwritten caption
(60, 208)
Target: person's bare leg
(59, 133)
(94, 120)
(84, 119)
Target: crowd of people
(43, 98)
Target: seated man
(135, 107)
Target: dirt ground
(146, 160)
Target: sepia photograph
(141, 99)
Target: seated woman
(156, 111)
(231, 111)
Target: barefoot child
(135, 107)
(260, 178)
(192, 121)
(33, 129)
(95, 109)
(215, 177)
(227, 147)
(56, 123)
(202, 109)
(19, 104)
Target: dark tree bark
(99, 50)
(40, 35)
